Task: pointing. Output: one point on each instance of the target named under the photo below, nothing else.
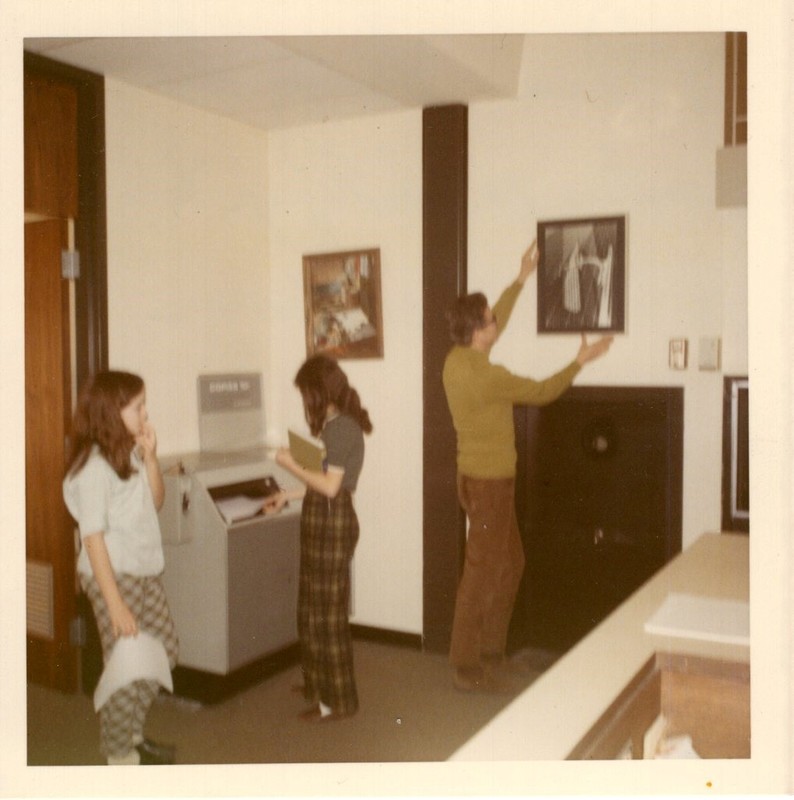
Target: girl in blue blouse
(329, 533)
(113, 489)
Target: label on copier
(233, 392)
(230, 412)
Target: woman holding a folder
(329, 533)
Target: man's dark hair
(465, 316)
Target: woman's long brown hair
(97, 421)
(321, 382)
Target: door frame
(90, 240)
(91, 224)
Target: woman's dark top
(344, 446)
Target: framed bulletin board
(342, 302)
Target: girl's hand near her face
(147, 441)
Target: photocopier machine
(231, 573)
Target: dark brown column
(445, 193)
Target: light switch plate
(709, 353)
(677, 357)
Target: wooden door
(51, 199)
(51, 591)
(51, 180)
(64, 181)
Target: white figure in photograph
(581, 291)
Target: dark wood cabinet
(598, 499)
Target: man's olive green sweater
(481, 396)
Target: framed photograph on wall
(342, 303)
(581, 275)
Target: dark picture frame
(342, 304)
(582, 275)
(736, 453)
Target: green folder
(309, 454)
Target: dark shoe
(154, 753)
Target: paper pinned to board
(705, 618)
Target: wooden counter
(549, 720)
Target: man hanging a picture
(481, 396)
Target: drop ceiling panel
(276, 82)
(293, 92)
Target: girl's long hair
(97, 421)
(321, 381)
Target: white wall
(187, 251)
(208, 222)
(621, 125)
(347, 186)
